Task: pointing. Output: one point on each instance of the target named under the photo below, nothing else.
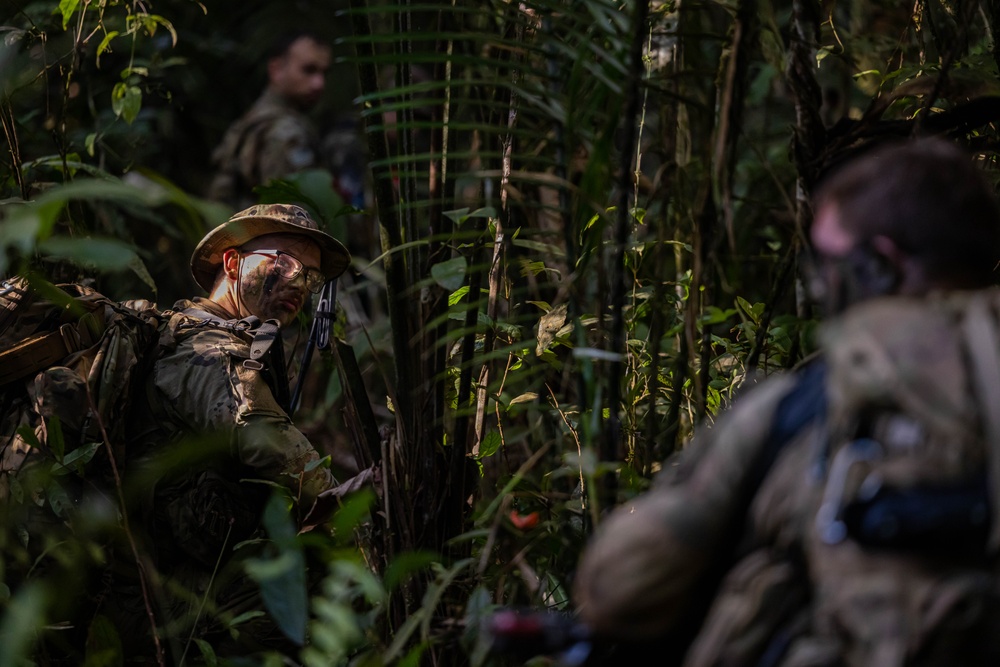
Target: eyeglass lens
(288, 267)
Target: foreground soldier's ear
(231, 262)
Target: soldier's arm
(649, 560)
(211, 391)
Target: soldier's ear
(231, 263)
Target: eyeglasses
(288, 267)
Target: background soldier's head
(906, 218)
(296, 68)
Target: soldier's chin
(308, 101)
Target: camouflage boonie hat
(257, 221)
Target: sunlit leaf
(456, 296)
(526, 397)
(66, 9)
(105, 46)
(490, 444)
(126, 101)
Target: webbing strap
(981, 342)
(264, 336)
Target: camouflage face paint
(263, 291)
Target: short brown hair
(927, 196)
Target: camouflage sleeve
(288, 146)
(638, 576)
(208, 390)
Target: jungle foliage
(584, 232)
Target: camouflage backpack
(71, 362)
(876, 543)
(904, 536)
(70, 359)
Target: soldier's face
(263, 291)
(300, 75)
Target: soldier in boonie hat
(264, 261)
(257, 221)
(220, 379)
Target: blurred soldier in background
(275, 137)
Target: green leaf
(104, 646)
(103, 46)
(460, 215)
(282, 579)
(59, 501)
(490, 444)
(126, 101)
(405, 564)
(456, 296)
(76, 459)
(355, 508)
(21, 623)
(282, 582)
(323, 462)
(246, 616)
(753, 311)
(451, 273)
(104, 254)
(66, 9)
(207, 653)
(54, 436)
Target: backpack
(876, 528)
(905, 530)
(70, 361)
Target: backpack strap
(265, 356)
(981, 340)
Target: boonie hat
(257, 221)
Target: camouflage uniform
(206, 448)
(271, 140)
(742, 545)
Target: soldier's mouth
(292, 305)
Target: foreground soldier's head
(907, 218)
(266, 260)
